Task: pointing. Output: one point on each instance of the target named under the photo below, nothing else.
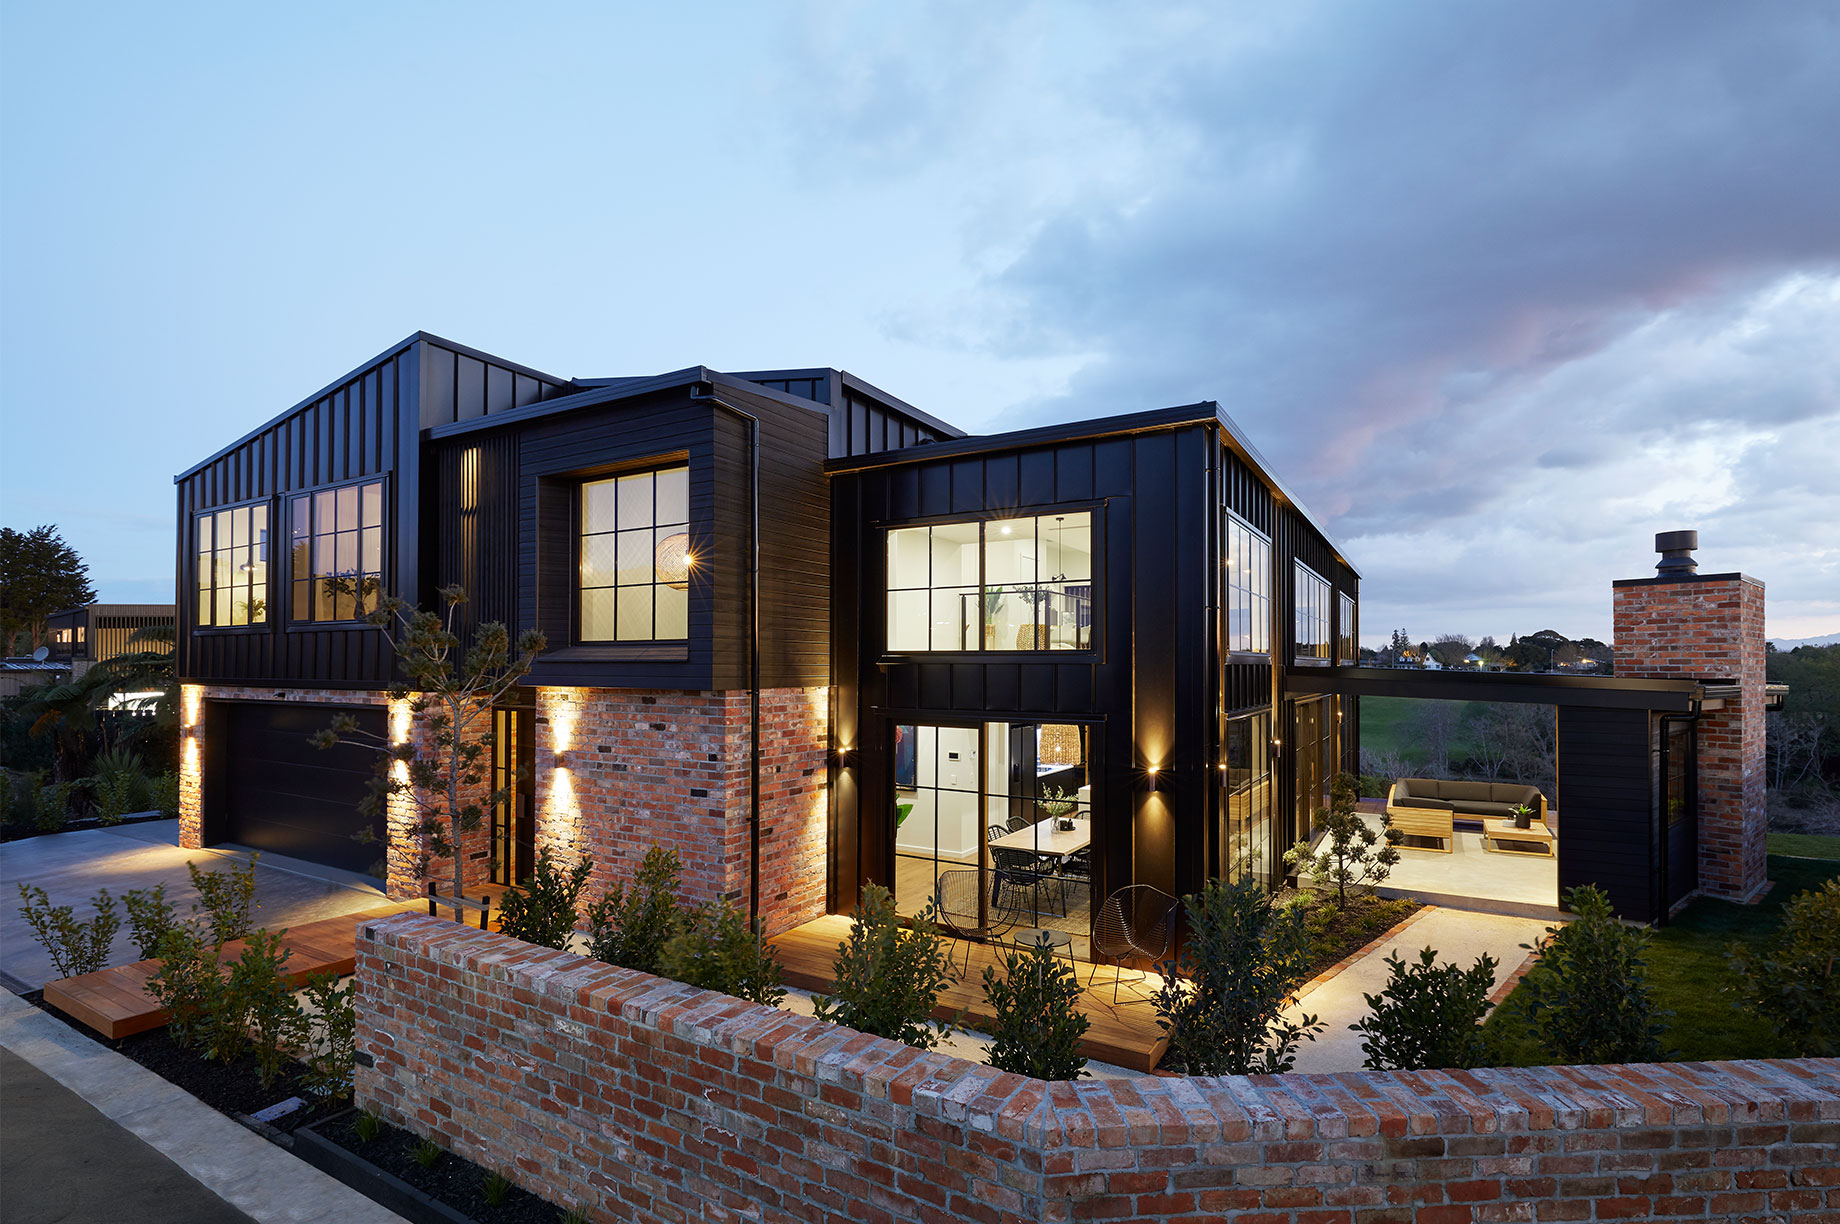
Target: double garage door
(276, 792)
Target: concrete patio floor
(73, 867)
(1470, 877)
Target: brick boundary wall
(647, 1100)
(1710, 628)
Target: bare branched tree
(452, 692)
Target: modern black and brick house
(805, 634)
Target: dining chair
(965, 914)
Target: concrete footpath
(1459, 936)
(103, 1127)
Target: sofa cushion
(1464, 791)
(1475, 807)
(1414, 801)
(1514, 792)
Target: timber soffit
(395, 349)
(1207, 412)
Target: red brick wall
(1710, 629)
(619, 770)
(650, 1101)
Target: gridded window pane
(1009, 552)
(672, 613)
(636, 561)
(348, 509)
(336, 552)
(634, 503)
(1247, 571)
(1021, 583)
(635, 613)
(1310, 593)
(371, 496)
(955, 618)
(232, 569)
(633, 558)
(674, 496)
(370, 554)
(345, 552)
(597, 507)
(597, 561)
(909, 558)
(955, 555)
(1066, 547)
(907, 620)
(597, 615)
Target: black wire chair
(965, 913)
(1138, 922)
(1076, 868)
(1017, 870)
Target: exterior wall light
(1152, 771)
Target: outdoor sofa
(1428, 807)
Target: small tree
(629, 927)
(1429, 1016)
(1038, 1028)
(1348, 858)
(1245, 957)
(542, 912)
(717, 950)
(1792, 983)
(889, 976)
(263, 1013)
(455, 690)
(1588, 999)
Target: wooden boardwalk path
(1126, 1035)
(116, 1004)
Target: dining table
(1048, 839)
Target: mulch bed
(233, 1088)
(1335, 934)
(451, 1179)
(15, 831)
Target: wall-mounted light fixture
(1152, 773)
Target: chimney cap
(1676, 549)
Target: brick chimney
(1682, 624)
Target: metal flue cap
(1676, 549)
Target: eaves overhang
(1538, 688)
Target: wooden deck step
(1126, 1035)
(115, 1002)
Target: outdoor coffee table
(1058, 941)
(1536, 838)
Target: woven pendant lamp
(672, 560)
(1059, 744)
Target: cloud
(1499, 288)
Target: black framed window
(636, 558)
(1347, 640)
(336, 551)
(1022, 583)
(1247, 569)
(232, 566)
(1311, 595)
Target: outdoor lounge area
(1475, 874)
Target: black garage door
(280, 793)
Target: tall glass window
(232, 566)
(1021, 583)
(1347, 641)
(1245, 845)
(1247, 569)
(636, 557)
(1310, 593)
(336, 544)
(1010, 805)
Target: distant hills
(1832, 639)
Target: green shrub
(542, 912)
(426, 1153)
(1587, 994)
(368, 1126)
(227, 898)
(189, 984)
(889, 977)
(52, 805)
(332, 1035)
(75, 947)
(629, 927)
(1348, 858)
(1791, 983)
(163, 795)
(262, 1005)
(24, 790)
(150, 916)
(1429, 1016)
(118, 780)
(1222, 1000)
(717, 950)
(493, 1188)
(1038, 1028)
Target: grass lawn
(1805, 845)
(1387, 726)
(1687, 974)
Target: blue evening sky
(1500, 289)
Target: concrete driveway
(73, 867)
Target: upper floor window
(1347, 644)
(337, 552)
(1248, 581)
(636, 557)
(1312, 613)
(233, 566)
(999, 584)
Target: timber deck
(115, 1002)
(1126, 1035)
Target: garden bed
(334, 1146)
(1337, 934)
(17, 831)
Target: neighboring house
(24, 672)
(960, 624)
(810, 637)
(81, 637)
